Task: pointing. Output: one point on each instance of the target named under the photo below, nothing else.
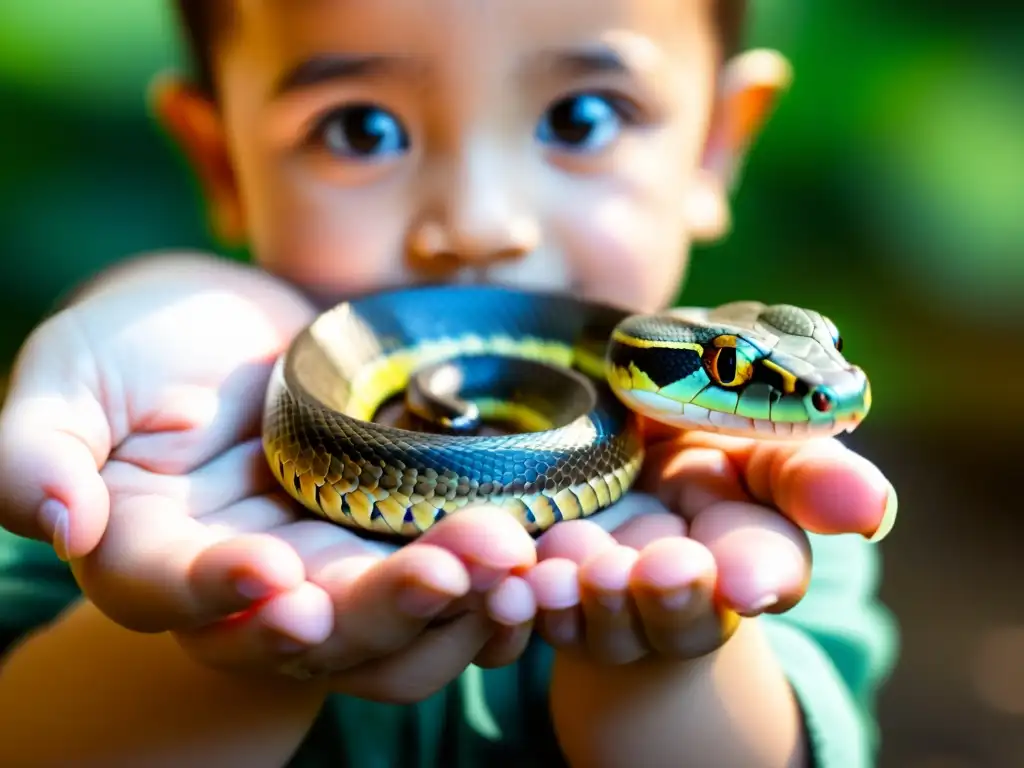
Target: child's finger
(267, 637)
(139, 574)
(506, 645)
(422, 669)
(555, 585)
(383, 605)
(673, 584)
(576, 540)
(231, 575)
(511, 603)
(612, 632)
(687, 478)
(641, 531)
(561, 628)
(819, 484)
(634, 504)
(54, 438)
(53, 491)
(488, 540)
(763, 559)
(151, 571)
(487, 543)
(364, 584)
(159, 577)
(567, 617)
(512, 607)
(824, 490)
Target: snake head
(743, 368)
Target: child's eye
(584, 121)
(361, 130)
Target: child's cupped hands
(718, 531)
(130, 438)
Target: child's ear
(193, 120)
(749, 88)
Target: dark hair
(203, 20)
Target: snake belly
(325, 450)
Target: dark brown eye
(839, 344)
(585, 121)
(362, 130)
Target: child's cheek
(623, 252)
(333, 246)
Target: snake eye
(821, 401)
(725, 365)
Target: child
(352, 146)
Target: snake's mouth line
(696, 417)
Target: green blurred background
(888, 191)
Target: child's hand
(132, 420)
(404, 622)
(130, 440)
(724, 532)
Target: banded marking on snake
(569, 376)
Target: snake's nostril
(821, 401)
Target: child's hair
(203, 20)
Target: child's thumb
(54, 439)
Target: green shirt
(837, 646)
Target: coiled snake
(567, 376)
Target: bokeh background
(888, 191)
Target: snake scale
(566, 377)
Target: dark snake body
(575, 373)
(325, 452)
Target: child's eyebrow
(622, 55)
(580, 61)
(331, 67)
(575, 62)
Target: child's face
(552, 145)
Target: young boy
(355, 145)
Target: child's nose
(477, 245)
(479, 219)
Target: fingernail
(675, 599)
(759, 606)
(483, 577)
(251, 589)
(422, 603)
(888, 517)
(54, 516)
(560, 597)
(512, 603)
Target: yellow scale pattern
(322, 482)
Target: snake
(530, 401)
